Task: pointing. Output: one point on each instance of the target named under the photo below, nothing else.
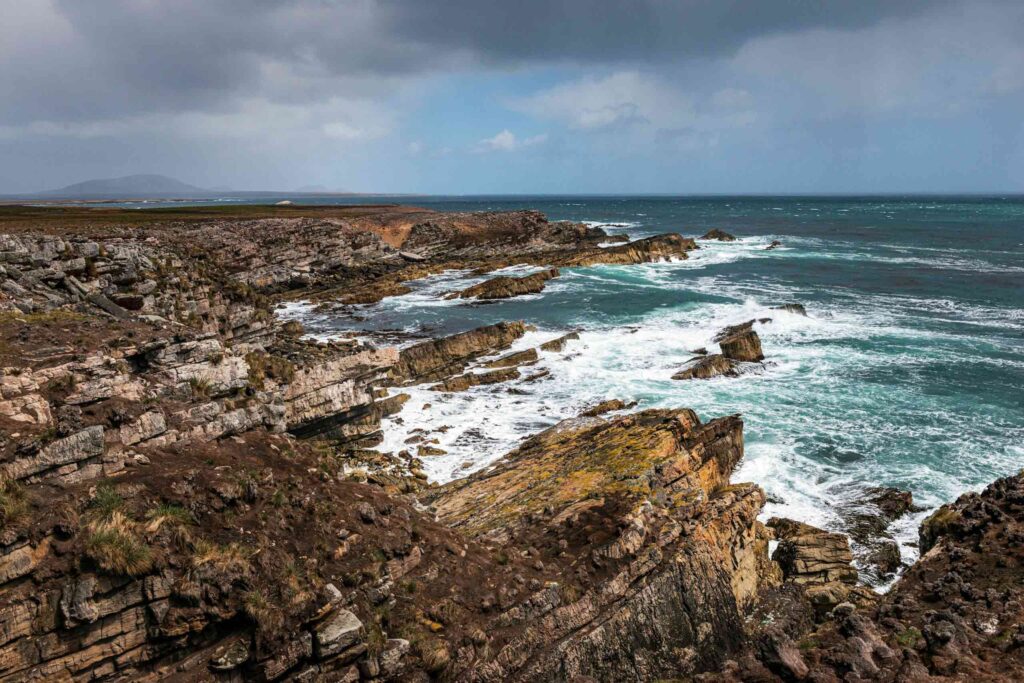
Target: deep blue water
(908, 371)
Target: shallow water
(908, 370)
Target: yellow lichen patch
(630, 458)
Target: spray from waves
(813, 430)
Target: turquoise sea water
(908, 371)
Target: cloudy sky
(516, 96)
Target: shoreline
(137, 357)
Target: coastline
(147, 350)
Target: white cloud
(506, 141)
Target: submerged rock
(773, 245)
(720, 235)
(868, 520)
(791, 308)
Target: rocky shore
(188, 490)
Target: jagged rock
(391, 659)
(706, 367)
(775, 244)
(583, 474)
(230, 656)
(505, 287)
(720, 235)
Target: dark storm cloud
(81, 61)
(642, 31)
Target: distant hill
(129, 186)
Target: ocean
(908, 370)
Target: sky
(516, 96)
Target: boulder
(775, 244)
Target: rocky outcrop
(681, 548)
(954, 615)
(525, 357)
(648, 250)
(744, 346)
(440, 358)
(559, 343)
(809, 555)
(706, 367)
(505, 287)
(720, 235)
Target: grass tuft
(170, 515)
(13, 503)
(106, 502)
(115, 547)
(224, 559)
(262, 611)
